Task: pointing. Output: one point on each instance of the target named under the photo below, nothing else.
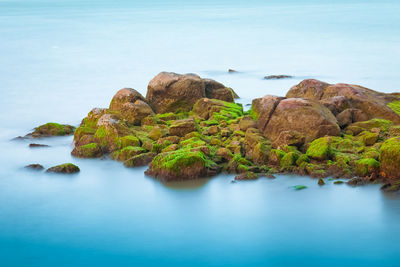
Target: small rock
(232, 71)
(246, 176)
(183, 127)
(338, 182)
(67, 168)
(277, 77)
(33, 145)
(321, 181)
(36, 167)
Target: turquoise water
(61, 58)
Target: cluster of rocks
(189, 127)
(67, 168)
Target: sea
(61, 58)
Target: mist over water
(59, 59)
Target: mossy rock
(303, 158)
(82, 131)
(289, 160)
(246, 176)
(365, 167)
(157, 133)
(181, 164)
(358, 127)
(395, 106)
(129, 140)
(260, 153)
(368, 138)
(52, 129)
(91, 150)
(127, 153)
(140, 160)
(275, 156)
(108, 139)
(67, 168)
(320, 149)
(390, 158)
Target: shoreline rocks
(318, 129)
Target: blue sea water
(61, 58)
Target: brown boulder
(131, 105)
(217, 90)
(290, 138)
(309, 118)
(262, 109)
(170, 92)
(183, 127)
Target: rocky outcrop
(315, 131)
(171, 92)
(339, 97)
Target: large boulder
(262, 109)
(339, 97)
(219, 91)
(131, 105)
(308, 118)
(170, 92)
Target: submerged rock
(34, 145)
(35, 166)
(67, 168)
(277, 77)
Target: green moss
(289, 159)
(302, 158)
(367, 166)
(338, 182)
(107, 138)
(53, 129)
(242, 168)
(320, 149)
(128, 152)
(192, 142)
(129, 140)
(251, 175)
(299, 187)
(83, 130)
(395, 106)
(368, 138)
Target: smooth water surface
(61, 58)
